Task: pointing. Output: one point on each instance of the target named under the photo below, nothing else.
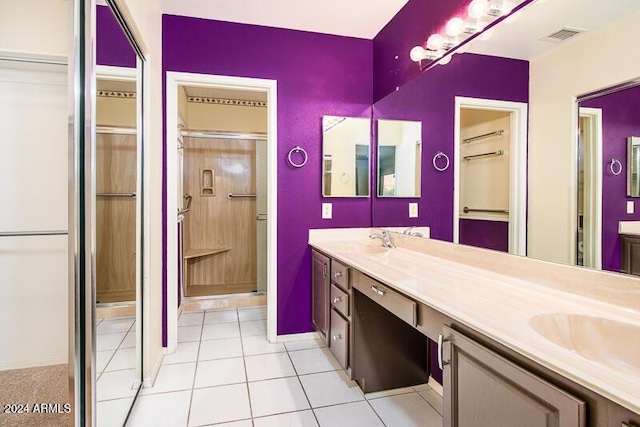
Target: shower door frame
(173, 80)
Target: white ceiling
(355, 18)
(521, 39)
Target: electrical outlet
(327, 211)
(630, 206)
(413, 210)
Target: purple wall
(620, 120)
(317, 75)
(411, 26)
(485, 234)
(112, 46)
(430, 98)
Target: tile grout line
(302, 386)
(244, 363)
(195, 371)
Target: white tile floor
(225, 373)
(115, 369)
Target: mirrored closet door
(118, 216)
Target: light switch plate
(327, 211)
(413, 210)
(630, 206)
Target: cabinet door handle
(378, 291)
(441, 340)
(336, 337)
(336, 300)
(337, 274)
(324, 269)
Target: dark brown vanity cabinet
(330, 305)
(482, 388)
(340, 300)
(630, 254)
(320, 269)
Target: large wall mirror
(538, 61)
(118, 216)
(607, 173)
(345, 156)
(399, 158)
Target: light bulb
(435, 42)
(472, 26)
(477, 8)
(454, 27)
(445, 60)
(418, 53)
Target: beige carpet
(48, 385)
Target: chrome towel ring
(305, 157)
(616, 167)
(439, 155)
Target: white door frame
(592, 221)
(174, 79)
(517, 167)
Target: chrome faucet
(384, 236)
(410, 232)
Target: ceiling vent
(562, 35)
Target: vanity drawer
(340, 300)
(340, 274)
(339, 338)
(396, 303)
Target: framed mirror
(399, 158)
(345, 156)
(633, 166)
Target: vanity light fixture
(457, 30)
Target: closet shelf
(197, 253)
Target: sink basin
(351, 247)
(601, 340)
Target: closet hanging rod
(486, 135)
(33, 233)
(232, 196)
(467, 210)
(131, 195)
(222, 135)
(116, 130)
(478, 156)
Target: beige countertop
(629, 227)
(498, 294)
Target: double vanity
(521, 342)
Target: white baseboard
(297, 337)
(33, 363)
(435, 386)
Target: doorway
(223, 163)
(490, 174)
(589, 215)
(221, 193)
